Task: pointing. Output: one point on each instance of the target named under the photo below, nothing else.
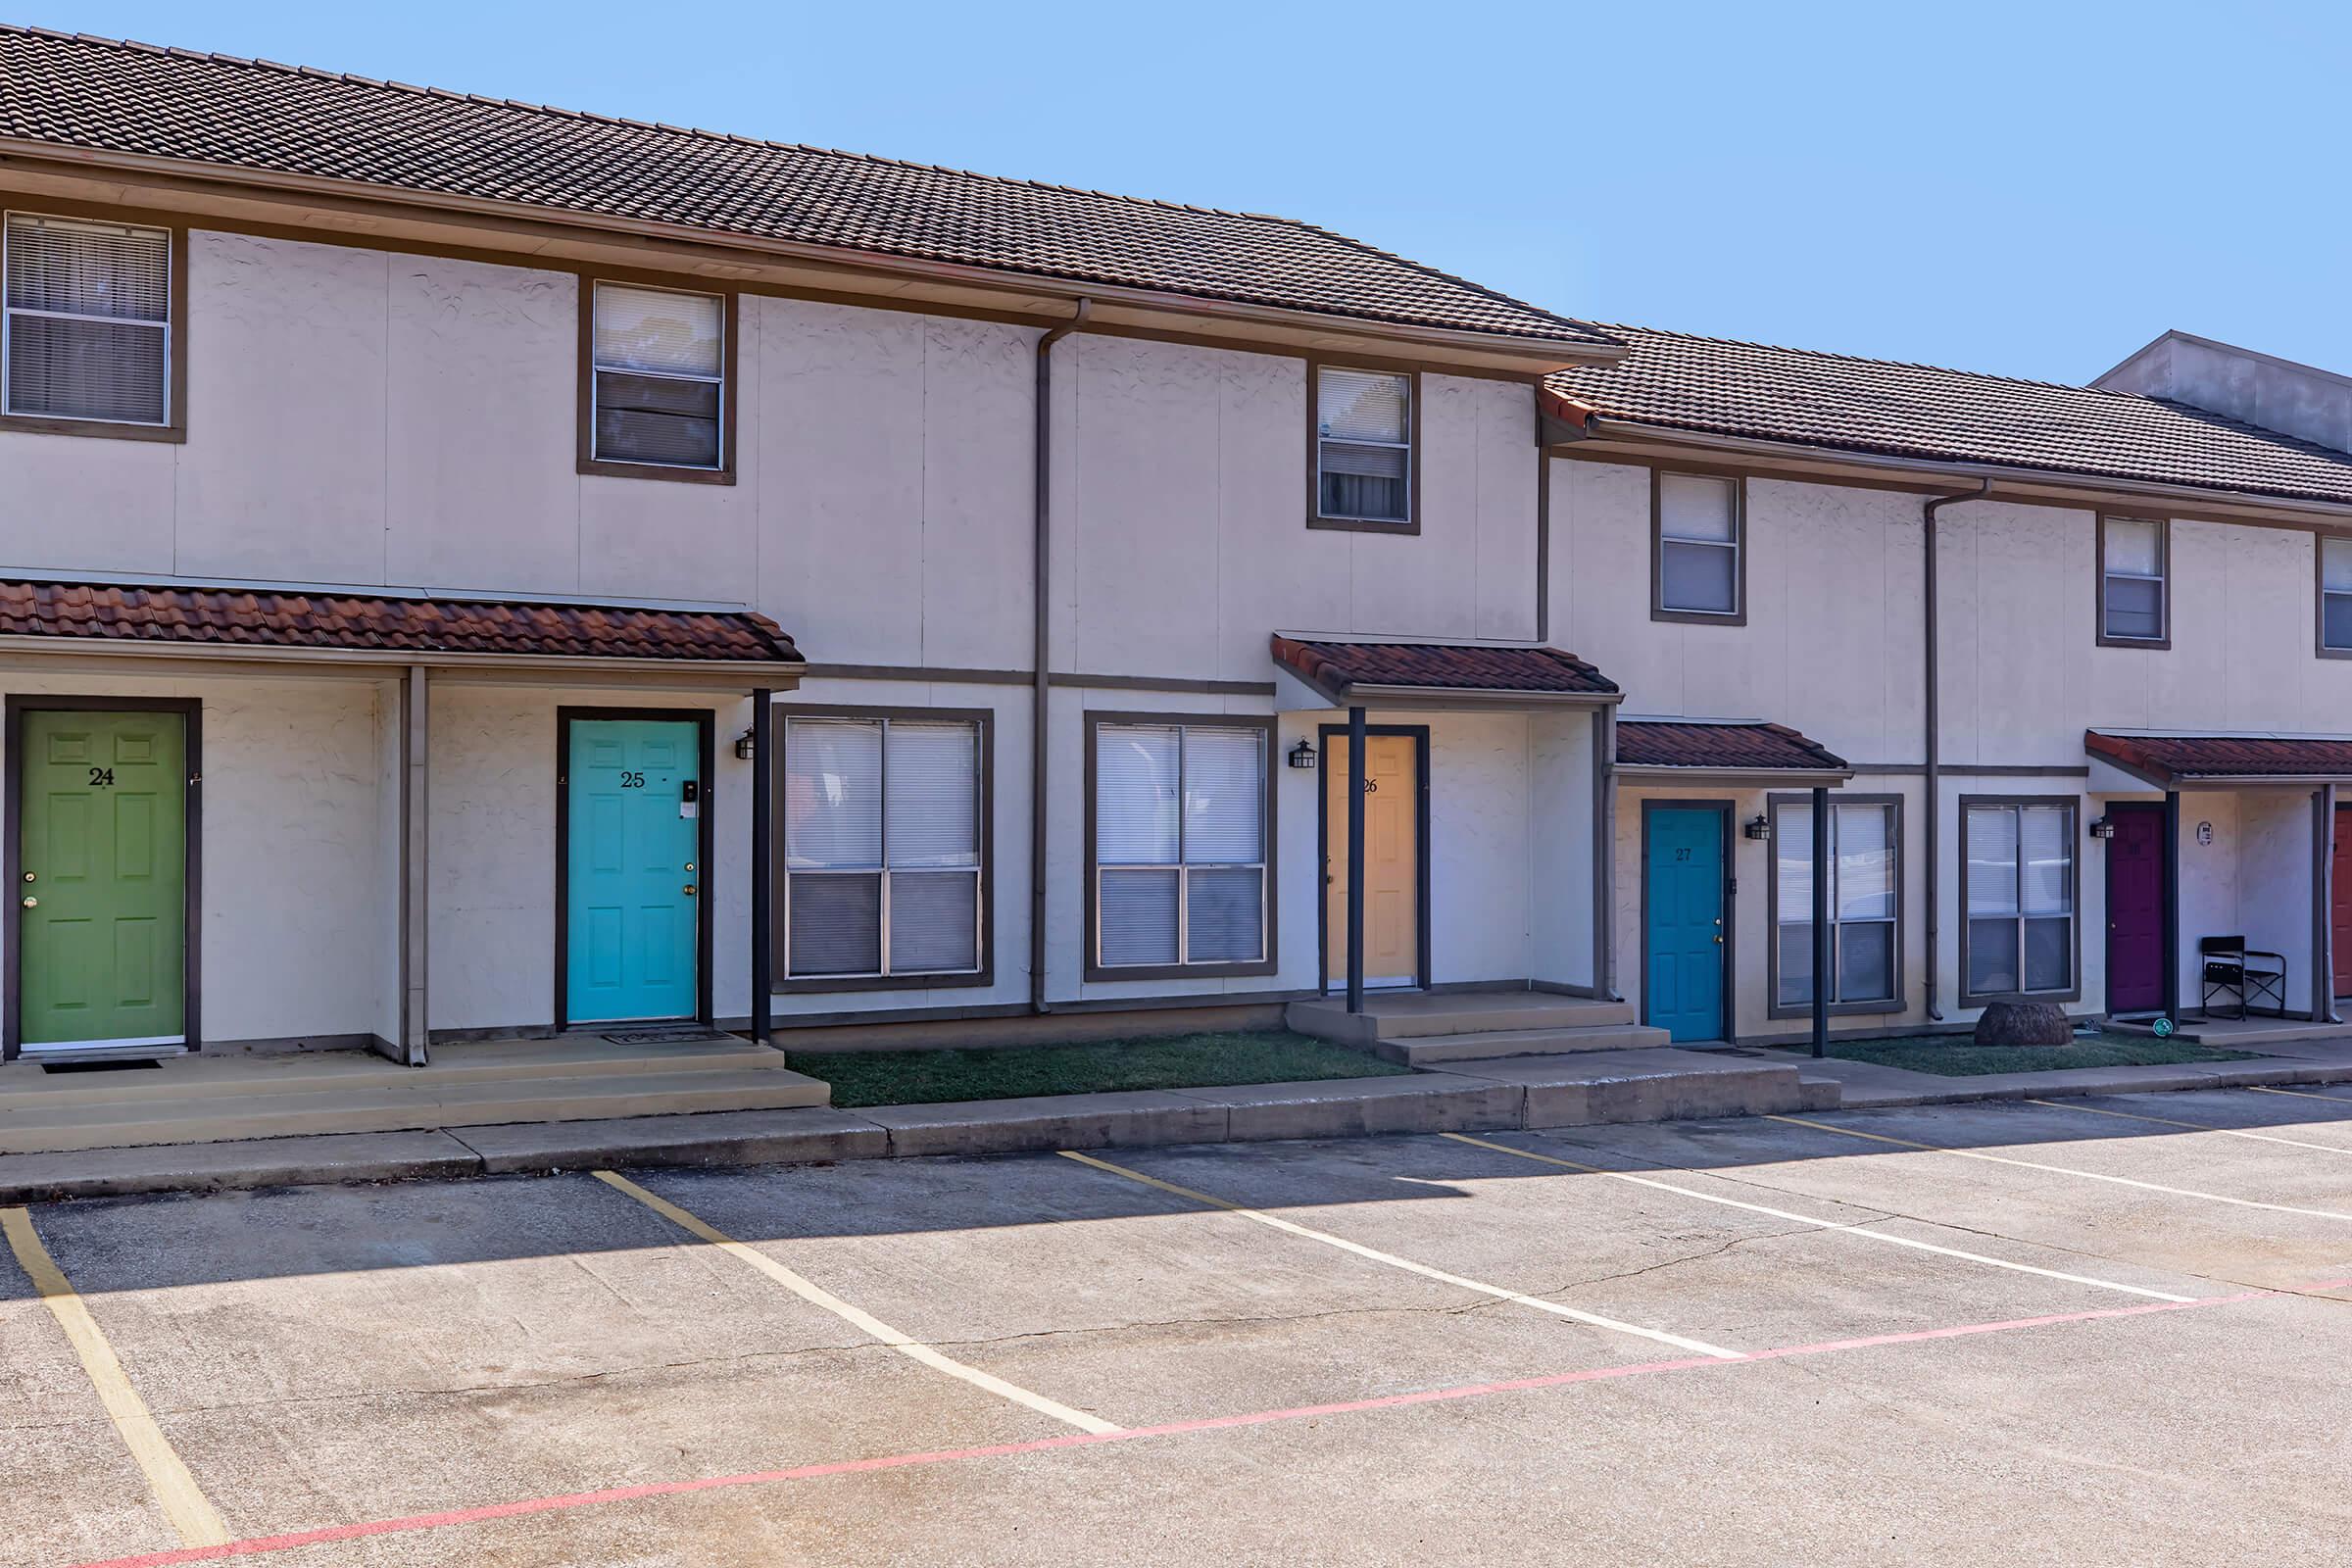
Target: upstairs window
(1363, 448)
(661, 378)
(1698, 530)
(2134, 594)
(2336, 596)
(1178, 848)
(87, 325)
(882, 847)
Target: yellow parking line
(2067, 1170)
(1407, 1265)
(1848, 1227)
(2192, 1126)
(2301, 1094)
(863, 1322)
(183, 1502)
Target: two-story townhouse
(2074, 658)
(468, 569)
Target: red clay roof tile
(2179, 757)
(1758, 748)
(1332, 667)
(265, 618)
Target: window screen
(1180, 845)
(660, 376)
(2132, 585)
(881, 847)
(2020, 899)
(87, 322)
(1698, 544)
(1862, 902)
(1363, 461)
(2335, 594)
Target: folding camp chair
(2259, 978)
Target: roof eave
(780, 673)
(2092, 489)
(1762, 777)
(1367, 695)
(1533, 355)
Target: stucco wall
(1560, 847)
(297, 914)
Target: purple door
(2135, 909)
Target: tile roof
(1915, 411)
(370, 622)
(81, 92)
(2223, 757)
(1748, 747)
(1332, 667)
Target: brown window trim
(1095, 718)
(1659, 609)
(730, 303)
(2164, 568)
(783, 981)
(1980, 999)
(2319, 596)
(1900, 1002)
(1314, 449)
(174, 427)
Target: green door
(102, 865)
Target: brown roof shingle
(2223, 757)
(1754, 390)
(1332, 667)
(81, 92)
(362, 621)
(1752, 747)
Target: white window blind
(87, 322)
(1363, 461)
(2132, 591)
(881, 847)
(2335, 593)
(2020, 894)
(660, 366)
(1862, 902)
(1180, 836)
(1698, 544)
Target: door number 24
(101, 778)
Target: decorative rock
(2024, 1023)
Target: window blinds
(1698, 544)
(1179, 845)
(881, 846)
(1363, 422)
(660, 375)
(88, 320)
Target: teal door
(1683, 894)
(633, 869)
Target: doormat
(130, 1065)
(678, 1034)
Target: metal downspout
(1041, 649)
(1935, 790)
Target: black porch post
(1355, 860)
(1820, 921)
(2171, 906)
(764, 890)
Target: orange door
(1391, 859)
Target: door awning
(1740, 751)
(1349, 674)
(203, 621)
(2223, 761)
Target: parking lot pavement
(2065, 1333)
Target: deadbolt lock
(689, 865)
(29, 876)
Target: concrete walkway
(1864, 1084)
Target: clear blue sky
(2028, 189)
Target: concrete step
(1414, 1014)
(1420, 1050)
(231, 1075)
(1650, 1085)
(412, 1101)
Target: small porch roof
(1353, 674)
(1724, 751)
(205, 622)
(2224, 761)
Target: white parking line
(1406, 1263)
(1860, 1229)
(2069, 1170)
(862, 1321)
(2192, 1126)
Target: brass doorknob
(31, 903)
(689, 890)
